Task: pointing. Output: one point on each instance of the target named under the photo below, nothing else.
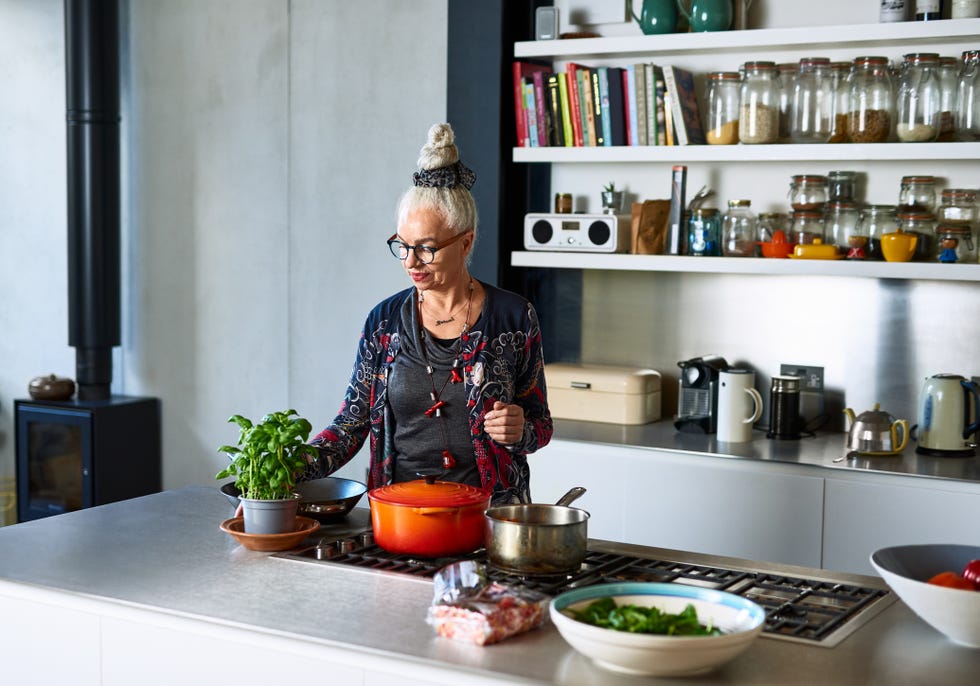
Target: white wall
(265, 145)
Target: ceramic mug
(739, 405)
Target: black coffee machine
(697, 401)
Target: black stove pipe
(92, 80)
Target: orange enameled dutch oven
(428, 518)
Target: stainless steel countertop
(818, 451)
(164, 552)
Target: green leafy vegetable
(643, 620)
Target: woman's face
(427, 227)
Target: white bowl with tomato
(940, 583)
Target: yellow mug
(898, 246)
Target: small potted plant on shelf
(265, 463)
(612, 200)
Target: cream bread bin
(603, 393)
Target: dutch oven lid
(429, 493)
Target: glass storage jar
(758, 120)
(723, 102)
(841, 104)
(876, 220)
(968, 97)
(807, 226)
(956, 243)
(704, 232)
(917, 193)
(841, 186)
(808, 192)
(840, 225)
(923, 225)
(957, 205)
(738, 230)
(872, 101)
(964, 9)
(949, 72)
(786, 73)
(768, 224)
(811, 111)
(918, 99)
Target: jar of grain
(807, 226)
(872, 101)
(956, 243)
(784, 88)
(811, 112)
(808, 192)
(758, 120)
(875, 221)
(968, 97)
(723, 103)
(704, 232)
(918, 100)
(949, 72)
(923, 225)
(841, 228)
(917, 193)
(842, 101)
(738, 230)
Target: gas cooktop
(816, 611)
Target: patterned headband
(445, 177)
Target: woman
(449, 373)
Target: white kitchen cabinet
(861, 517)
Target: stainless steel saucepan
(538, 539)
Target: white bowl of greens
(660, 629)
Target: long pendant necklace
(455, 376)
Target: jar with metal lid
(841, 186)
(949, 72)
(872, 101)
(807, 226)
(957, 205)
(918, 100)
(923, 225)
(875, 221)
(786, 74)
(968, 97)
(840, 225)
(956, 243)
(842, 101)
(704, 232)
(917, 193)
(738, 230)
(811, 111)
(808, 192)
(768, 223)
(758, 120)
(723, 97)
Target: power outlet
(811, 377)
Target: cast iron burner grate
(807, 610)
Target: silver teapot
(876, 432)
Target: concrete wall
(265, 145)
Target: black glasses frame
(423, 253)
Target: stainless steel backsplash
(877, 340)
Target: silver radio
(577, 232)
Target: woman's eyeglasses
(423, 253)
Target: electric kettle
(948, 409)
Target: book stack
(639, 104)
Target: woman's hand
(504, 423)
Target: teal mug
(656, 16)
(709, 15)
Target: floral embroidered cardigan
(502, 360)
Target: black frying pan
(325, 500)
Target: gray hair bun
(440, 150)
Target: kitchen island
(150, 591)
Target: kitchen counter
(819, 450)
(161, 562)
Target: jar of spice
(768, 224)
(957, 205)
(841, 226)
(813, 100)
(968, 97)
(840, 71)
(949, 72)
(723, 104)
(875, 221)
(955, 243)
(807, 226)
(918, 100)
(808, 192)
(704, 232)
(738, 230)
(872, 101)
(923, 225)
(563, 203)
(758, 120)
(917, 193)
(841, 186)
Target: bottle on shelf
(928, 10)
(704, 232)
(918, 100)
(872, 101)
(964, 9)
(893, 10)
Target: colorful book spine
(522, 71)
(575, 102)
(566, 110)
(598, 111)
(555, 132)
(641, 104)
(684, 106)
(541, 106)
(532, 117)
(663, 127)
(588, 115)
(629, 75)
(651, 87)
(616, 109)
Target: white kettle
(948, 409)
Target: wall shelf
(735, 265)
